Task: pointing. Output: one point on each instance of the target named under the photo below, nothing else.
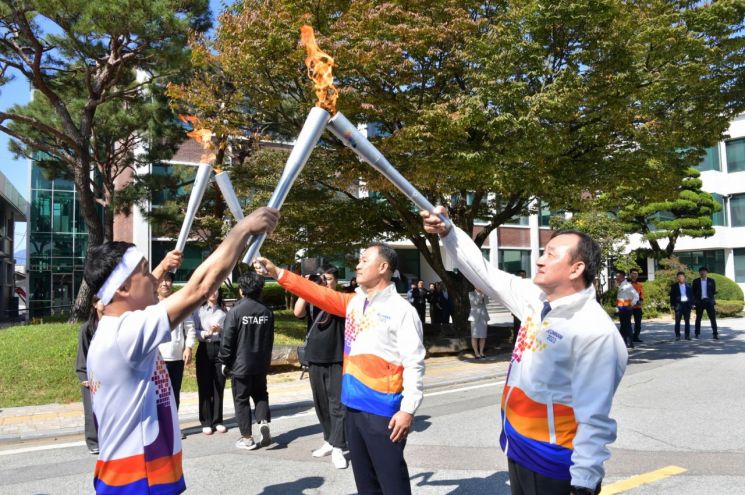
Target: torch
(353, 139)
(197, 191)
(320, 70)
(226, 188)
(306, 141)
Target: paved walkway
(287, 392)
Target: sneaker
(696, 337)
(677, 337)
(246, 444)
(716, 337)
(265, 438)
(323, 450)
(221, 428)
(207, 430)
(338, 459)
(93, 451)
(183, 436)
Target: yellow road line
(642, 479)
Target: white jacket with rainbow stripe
(563, 373)
(383, 370)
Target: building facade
(13, 208)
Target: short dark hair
(333, 271)
(621, 272)
(703, 269)
(634, 270)
(101, 261)
(587, 251)
(99, 264)
(680, 273)
(169, 276)
(251, 284)
(388, 253)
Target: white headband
(119, 275)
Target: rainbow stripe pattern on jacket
(369, 382)
(537, 436)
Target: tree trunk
(81, 307)
(458, 288)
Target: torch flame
(320, 67)
(201, 136)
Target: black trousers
(637, 322)
(711, 312)
(683, 310)
(210, 384)
(246, 388)
(421, 310)
(624, 315)
(325, 383)
(91, 434)
(378, 464)
(523, 481)
(176, 374)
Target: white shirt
(683, 294)
(134, 406)
(704, 289)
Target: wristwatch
(581, 490)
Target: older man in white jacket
(566, 365)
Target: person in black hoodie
(245, 355)
(324, 351)
(84, 341)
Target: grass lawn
(37, 362)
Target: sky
(17, 92)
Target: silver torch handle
(309, 135)
(353, 139)
(226, 188)
(201, 181)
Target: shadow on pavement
(297, 486)
(421, 423)
(666, 347)
(493, 484)
(282, 440)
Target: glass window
(81, 245)
(40, 178)
(713, 259)
(736, 155)
(514, 260)
(193, 256)
(737, 210)
(720, 217)
(62, 245)
(739, 265)
(40, 244)
(63, 209)
(710, 160)
(41, 211)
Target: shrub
(727, 289)
(727, 308)
(274, 296)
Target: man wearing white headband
(133, 403)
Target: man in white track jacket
(566, 365)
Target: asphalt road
(680, 411)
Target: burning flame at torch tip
(201, 136)
(320, 67)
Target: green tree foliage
(484, 106)
(687, 213)
(90, 108)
